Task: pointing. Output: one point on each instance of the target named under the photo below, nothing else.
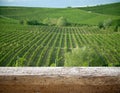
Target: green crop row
(48, 45)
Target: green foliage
(52, 65)
(116, 22)
(55, 22)
(69, 7)
(20, 62)
(105, 24)
(23, 22)
(100, 25)
(33, 22)
(84, 56)
(46, 21)
(61, 21)
(111, 25)
(115, 64)
(116, 28)
(75, 58)
(50, 21)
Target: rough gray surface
(69, 71)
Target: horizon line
(56, 7)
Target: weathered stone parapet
(60, 80)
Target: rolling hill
(88, 15)
(108, 9)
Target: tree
(23, 22)
(61, 21)
(53, 65)
(100, 25)
(46, 21)
(75, 58)
(84, 56)
(33, 22)
(50, 21)
(105, 24)
(116, 28)
(69, 7)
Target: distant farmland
(82, 41)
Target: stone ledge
(69, 71)
(60, 80)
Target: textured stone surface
(69, 71)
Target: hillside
(109, 9)
(49, 45)
(84, 43)
(73, 15)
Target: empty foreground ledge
(59, 80)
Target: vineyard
(60, 36)
(49, 45)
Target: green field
(109, 9)
(82, 44)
